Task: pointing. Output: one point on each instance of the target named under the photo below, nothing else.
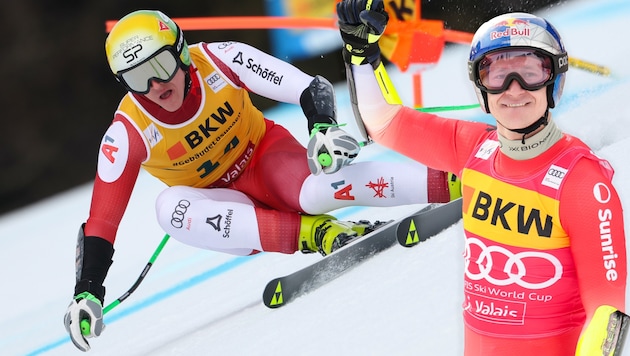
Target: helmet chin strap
(544, 120)
(187, 82)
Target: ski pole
(448, 108)
(589, 66)
(326, 160)
(85, 324)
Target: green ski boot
(325, 234)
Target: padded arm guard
(93, 259)
(318, 103)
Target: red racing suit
(545, 242)
(209, 141)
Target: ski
(282, 290)
(606, 333)
(617, 330)
(418, 227)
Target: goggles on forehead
(532, 69)
(160, 67)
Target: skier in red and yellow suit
(237, 182)
(545, 256)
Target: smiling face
(169, 95)
(517, 108)
(513, 106)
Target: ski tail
(432, 219)
(419, 227)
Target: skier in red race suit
(237, 182)
(545, 254)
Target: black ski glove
(84, 316)
(361, 23)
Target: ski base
(282, 290)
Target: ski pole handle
(324, 159)
(85, 327)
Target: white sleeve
(260, 72)
(376, 112)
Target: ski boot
(442, 187)
(454, 186)
(325, 234)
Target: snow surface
(194, 302)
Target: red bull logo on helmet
(511, 27)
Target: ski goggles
(160, 67)
(532, 69)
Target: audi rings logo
(177, 218)
(515, 265)
(553, 172)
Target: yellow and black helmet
(146, 45)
